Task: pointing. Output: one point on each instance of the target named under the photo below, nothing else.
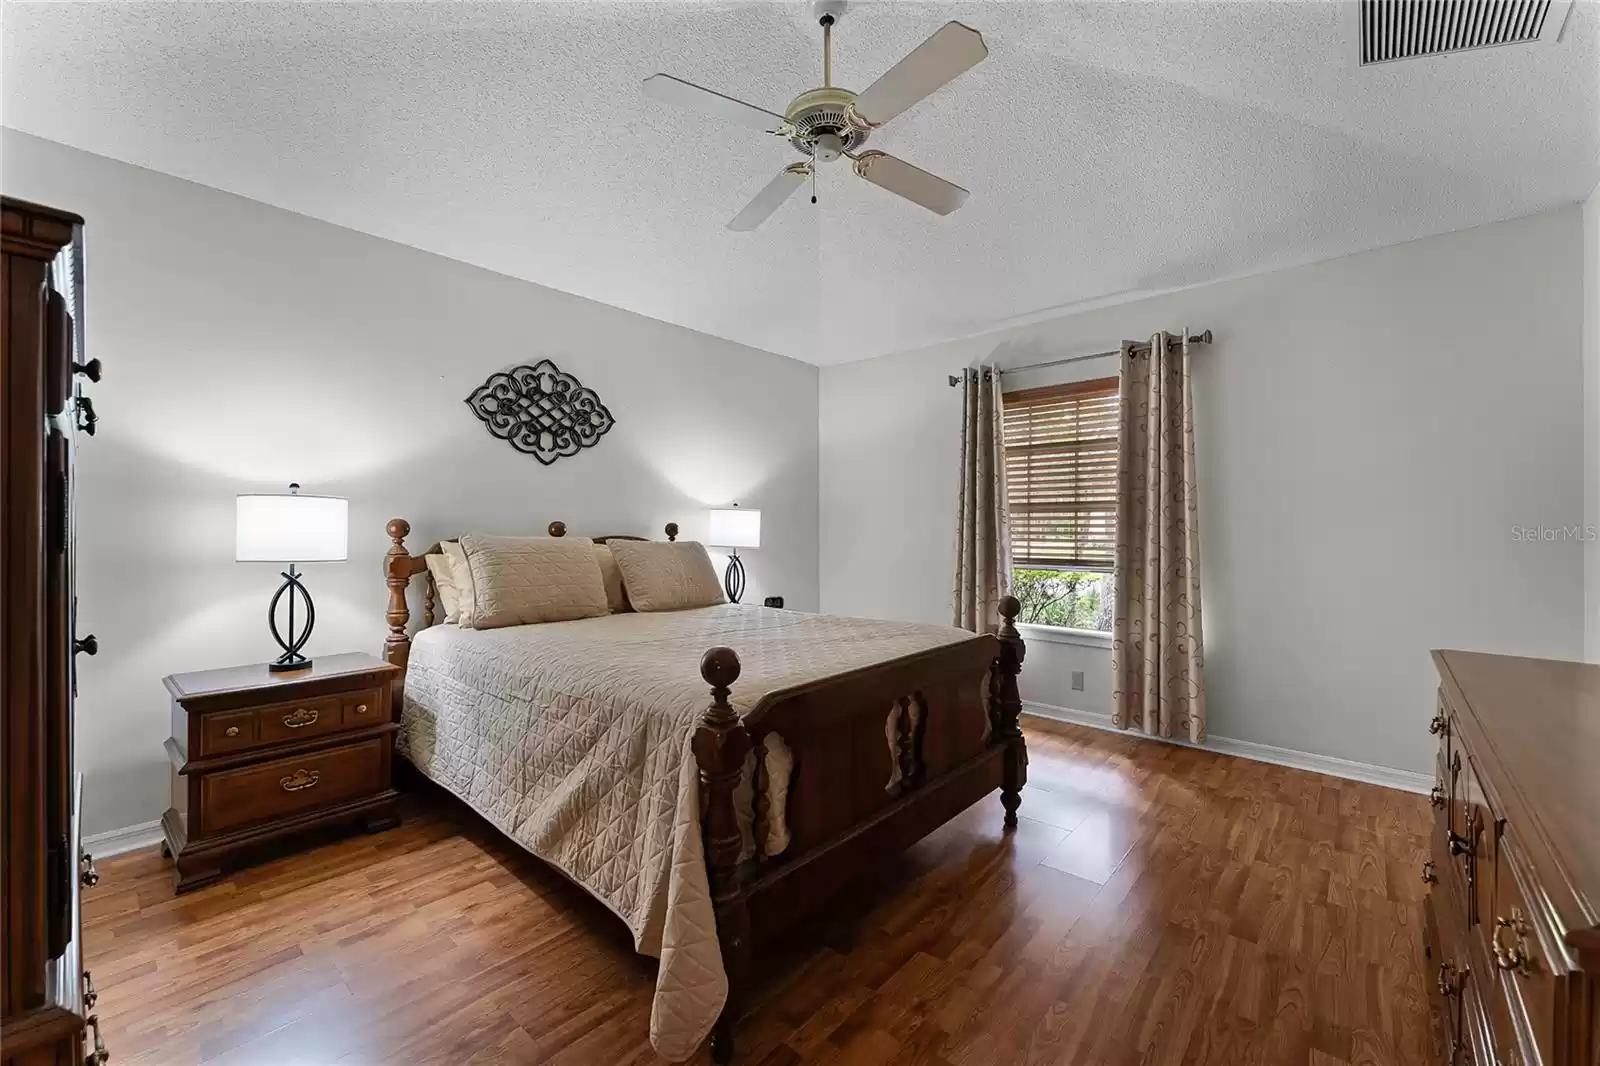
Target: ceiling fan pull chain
(813, 184)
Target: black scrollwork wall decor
(541, 410)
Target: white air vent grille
(1406, 29)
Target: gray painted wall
(1370, 431)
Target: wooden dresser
(1513, 928)
(47, 997)
(258, 757)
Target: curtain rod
(1194, 338)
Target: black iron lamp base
(291, 659)
(733, 578)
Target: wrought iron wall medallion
(541, 410)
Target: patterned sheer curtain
(1156, 648)
(983, 527)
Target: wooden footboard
(882, 756)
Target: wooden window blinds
(1061, 475)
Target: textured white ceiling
(1111, 148)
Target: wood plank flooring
(1158, 904)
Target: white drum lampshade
(291, 528)
(735, 527)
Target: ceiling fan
(829, 122)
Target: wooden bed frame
(959, 740)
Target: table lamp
(291, 528)
(734, 528)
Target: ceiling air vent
(1408, 29)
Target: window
(1061, 482)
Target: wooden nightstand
(258, 757)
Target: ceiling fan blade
(672, 90)
(953, 50)
(914, 183)
(771, 197)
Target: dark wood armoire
(46, 996)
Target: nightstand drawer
(362, 709)
(231, 731)
(269, 790)
(283, 723)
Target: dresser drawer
(1528, 964)
(234, 798)
(1465, 837)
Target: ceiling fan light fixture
(826, 123)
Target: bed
(708, 822)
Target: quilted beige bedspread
(573, 739)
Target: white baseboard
(1372, 774)
(134, 837)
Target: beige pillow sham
(520, 580)
(444, 582)
(666, 576)
(611, 574)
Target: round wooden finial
(672, 531)
(1010, 607)
(557, 529)
(398, 528)
(720, 667)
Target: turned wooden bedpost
(397, 574)
(672, 535)
(1008, 709)
(721, 744)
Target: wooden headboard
(400, 566)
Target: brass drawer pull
(1460, 845)
(361, 708)
(1428, 876)
(231, 731)
(1451, 980)
(99, 1056)
(1437, 725)
(298, 780)
(1519, 956)
(88, 876)
(301, 718)
(1436, 796)
(90, 996)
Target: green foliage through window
(1072, 598)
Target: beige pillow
(616, 595)
(444, 581)
(518, 580)
(667, 577)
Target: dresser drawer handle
(1451, 980)
(301, 718)
(90, 996)
(1437, 724)
(1519, 956)
(99, 1056)
(298, 780)
(1436, 796)
(231, 731)
(361, 708)
(1428, 876)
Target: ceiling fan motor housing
(821, 121)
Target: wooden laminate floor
(1158, 904)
